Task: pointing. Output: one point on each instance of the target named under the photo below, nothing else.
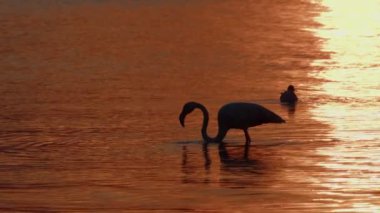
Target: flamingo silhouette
(232, 116)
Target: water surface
(91, 92)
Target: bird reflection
(190, 169)
(233, 167)
(235, 170)
(229, 160)
(291, 108)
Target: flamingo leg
(247, 138)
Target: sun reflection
(350, 94)
(351, 29)
(349, 101)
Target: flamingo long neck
(221, 133)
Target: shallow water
(91, 93)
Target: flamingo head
(187, 109)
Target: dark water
(91, 92)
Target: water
(91, 92)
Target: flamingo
(232, 116)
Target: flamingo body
(237, 115)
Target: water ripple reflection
(350, 104)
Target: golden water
(91, 93)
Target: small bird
(232, 116)
(289, 96)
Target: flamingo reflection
(228, 159)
